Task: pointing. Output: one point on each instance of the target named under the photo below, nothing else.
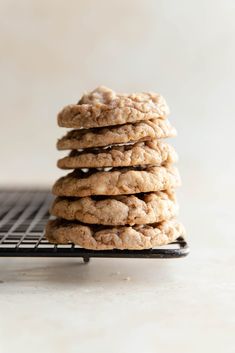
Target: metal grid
(23, 216)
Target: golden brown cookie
(142, 153)
(104, 107)
(117, 181)
(107, 238)
(142, 131)
(117, 210)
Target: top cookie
(104, 107)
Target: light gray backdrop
(51, 51)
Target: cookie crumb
(117, 273)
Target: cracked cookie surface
(104, 107)
(117, 181)
(142, 153)
(142, 131)
(118, 210)
(107, 238)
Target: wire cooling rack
(23, 216)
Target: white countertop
(118, 305)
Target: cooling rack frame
(23, 215)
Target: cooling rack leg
(86, 260)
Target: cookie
(117, 210)
(117, 181)
(142, 131)
(142, 153)
(107, 238)
(104, 107)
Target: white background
(52, 51)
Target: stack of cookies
(120, 194)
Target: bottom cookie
(140, 237)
